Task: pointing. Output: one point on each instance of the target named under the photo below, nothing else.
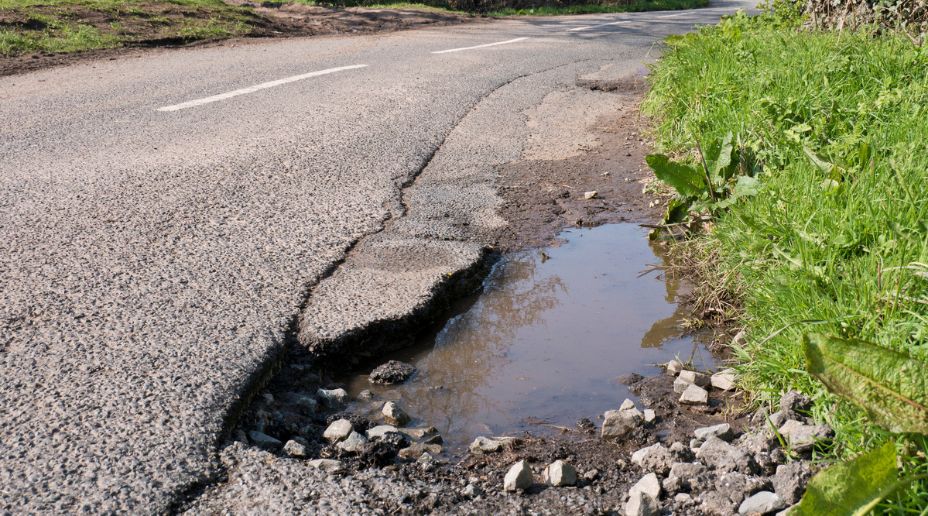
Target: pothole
(546, 344)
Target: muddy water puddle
(547, 340)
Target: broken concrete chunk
(394, 414)
(801, 437)
(641, 504)
(618, 424)
(723, 380)
(338, 430)
(590, 195)
(627, 405)
(354, 443)
(560, 473)
(694, 378)
(654, 458)
(491, 444)
(722, 456)
(761, 503)
(694, 395)
(722, 431)
(680, 385)
(295, 449)
(649, 485)
(414, 451)
(790, 481)
(380, 430)
(795, 405)
(649, 416)
(518, 477)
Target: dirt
(155, 25)
(542, 197)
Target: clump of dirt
(542, 197)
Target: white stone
(381, 430)
(640, 504)
(519, 476)
(694, 395)
(491, 444)
(649, 485)
(394, 414)
(761, 503)
(649, 416)
(338, 430)
(694, 377)
(618, 424)
(590, 195)
(295, 449)
(723, 380)
(560, 473)
(354, 443)
(627, 405)
(680, 385)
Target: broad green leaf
(892, 387)
(746, 186)
(721, 160)
(853, 487)
(677, 211)
(685, 179)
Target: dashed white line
(588, 27)
(257, 87)
(479, 46)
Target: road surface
(163, 218)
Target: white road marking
(479, 46)
(588, 27)
(256, 87)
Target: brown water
(547, 339)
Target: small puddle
(545, 342)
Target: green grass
(808, 254)
(61, 26)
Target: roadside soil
(162, 25)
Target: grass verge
(836, 241)
(62, 26)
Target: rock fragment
(761, 503)
(801, 437)
(673, 367)
(590, 195)
(354, 443)
(654, 458)
(338, 430)
(790, 481)
(560, 474)
(649, 416)
(725, 457)
(795, 405)
(394, 414)
(295, 449)
(722, 431)
(649, 485)
(518, 477)
(640, 504)
(723, 380)
(694, 378)
(380, 431)
(419, 433)
(680, 385)
(694, 395)
(414, 451)
(491, 445)
(391, 373)
(618, 424)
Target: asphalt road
(163, 216)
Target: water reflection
(547, 338)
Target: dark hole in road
(546, 341)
